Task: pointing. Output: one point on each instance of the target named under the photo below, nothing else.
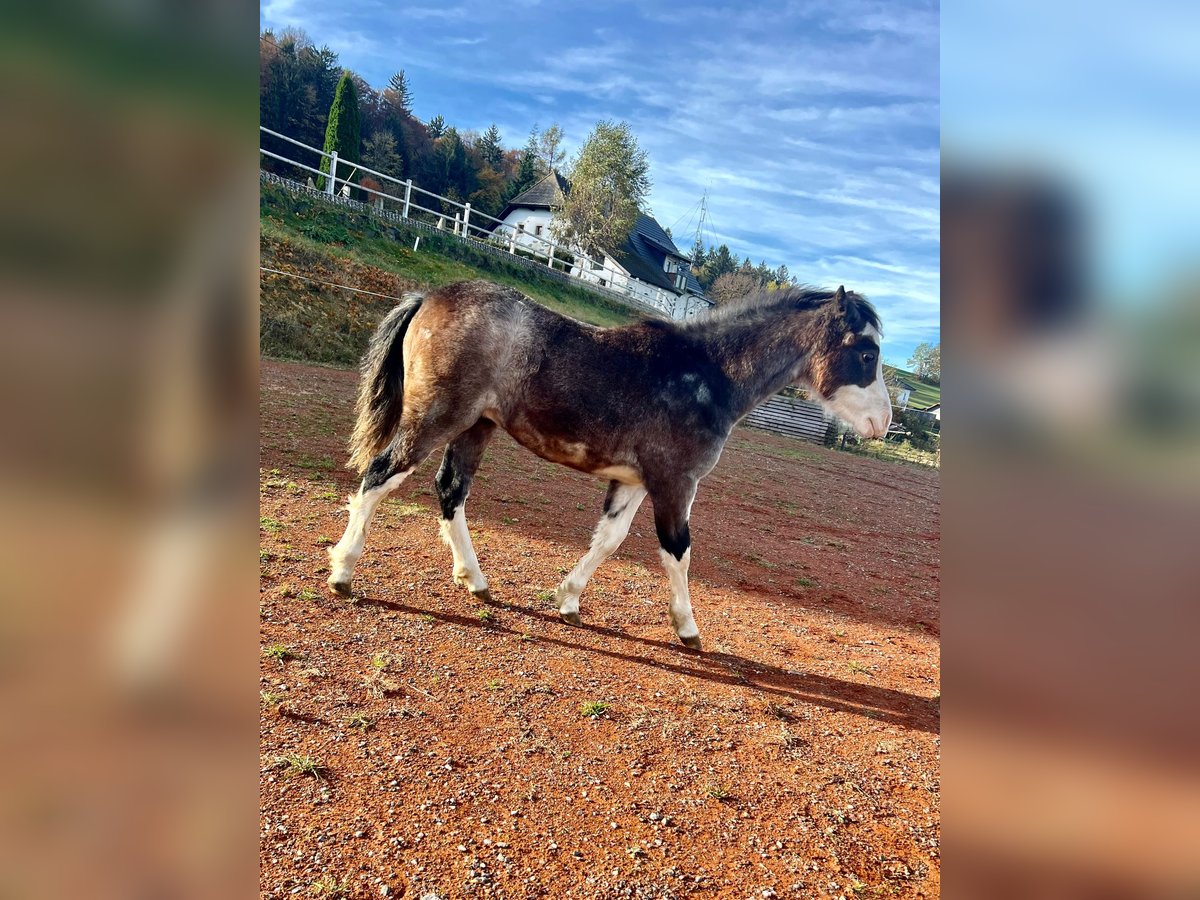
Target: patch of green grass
(328, 888)
(380, 661)
(286, 591)
(300, 764)
(494, 684)
(805, 582)
(360, 721)
(265, 556)
(324, 540)
(763, 561)
(717, 792)
(890, 451)
(593, 708)
(329, 495)
(485, 615)
(854, 666)
(545, 596)
(266, 523)
(509, 520)
(428, 617)
(307, 596)
(318, 463)
(280, 653)
(406, 509)
(580, 507)
(270, 698)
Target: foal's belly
(569, 450)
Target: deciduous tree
(550, 151)
(610, 181)
(926, 362)
(733, 285)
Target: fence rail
(484, 231)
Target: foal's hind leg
(620, 506)
(672, 509)
(453, 482)
(384, 475)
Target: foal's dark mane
(762, 306)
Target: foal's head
(846, 369)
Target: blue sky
(814, 126)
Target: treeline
(724, 278)
(297, 85)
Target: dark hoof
(341, 588)
(485, 595)
(571, 618)
(692, 643)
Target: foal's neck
(761, 354)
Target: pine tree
(437, 127)
(401, 98)
(341, 133)
(490, 149)
(527, 173)
(698, 257)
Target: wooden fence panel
(790, 416)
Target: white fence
(405, 203)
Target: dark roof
(547, 193)
(694, 286)
(642, 254)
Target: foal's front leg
(620, 506)
(672, 510)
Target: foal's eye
(869, 357)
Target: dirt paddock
(416, 742)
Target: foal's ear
(851, 312)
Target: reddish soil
(797, 756)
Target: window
(681, 281)
(537, 230)
(597, 264)
(670, 266)
(521, 226)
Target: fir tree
(401, 95)
(490, 149)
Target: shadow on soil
(881, 704)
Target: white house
(648, 265)
(526, 218)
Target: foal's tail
(381, 385)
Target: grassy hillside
(924, 394)
(303, 320)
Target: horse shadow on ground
(881, 704)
